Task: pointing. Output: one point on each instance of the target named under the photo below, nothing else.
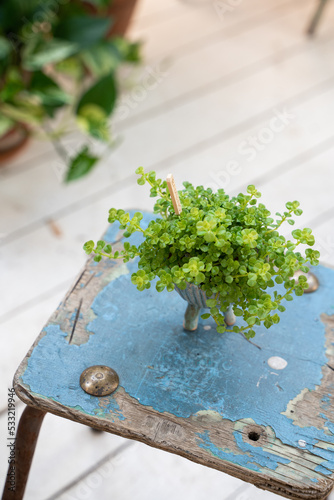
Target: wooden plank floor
(220, 80)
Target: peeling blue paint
(326, 454)
(329, 424)
(261, 457)
(326, 405)
(243, 459)
(323, 470)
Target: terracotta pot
(196, 299)
(120, 11)
(12, 142)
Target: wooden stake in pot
(174, 194)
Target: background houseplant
(229, 247)
(59, 56)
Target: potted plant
(58, 58)
(230, 249)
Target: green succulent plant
(229, 247)
(57, 55)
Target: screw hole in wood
(254, 436)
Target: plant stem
(279, 225)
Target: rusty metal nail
(312, 281)
(99, 380)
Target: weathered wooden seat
(263, 414)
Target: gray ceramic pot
(196, 299)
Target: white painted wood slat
(203, 119)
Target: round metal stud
(99, 380)
(312, 281)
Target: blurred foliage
(56, 55)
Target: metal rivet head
(99, 380)
(312, 281)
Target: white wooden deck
(220, 82)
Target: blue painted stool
(264, 415)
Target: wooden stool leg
(316, 17)
(26, 439)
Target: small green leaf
(92, 119)
(209, 237)
(81, 164)
(101, 58)
(89, 246)
(251, 321)
(48, 92)
(211, 302)
(275, 318)
(237, 311)
(102, 94)
(249, 334)
(200, 278)
(138, 216)
(83, 30)
(52, 51)
(160, 286)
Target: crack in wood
(75, 320)
(75, 285)
(89, 280)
